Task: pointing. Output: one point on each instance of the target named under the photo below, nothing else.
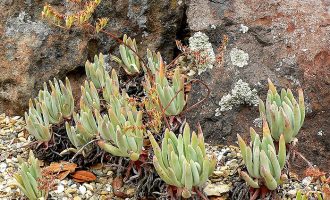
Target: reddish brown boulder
(286, 41)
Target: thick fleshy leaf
(161, 172)
(186, 138)
(270, 182)
(249, 162)
(271, 86)
(262, 108)
(282, 152)
(188, 176)
(111, 149)
(249, 180)
(297, 119)
(256, 156)
(195, 173)
(275, 163)
(242, 146)
(288, 130)
(175, 165)
(205, 171)
(165, 152)
(157, 150)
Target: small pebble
(88, 186)
(3, 167)
(64, 182)
(307, 180)
(76, 198)
(292, 193)
(108, 187)
(70, 191)
(60, 188)
(82, 190)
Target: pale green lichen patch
(238, 57)
(22, 25)
(243, 28)
(199, 42)
(241, 94)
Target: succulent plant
(182, 161)
(261, 161)
(96, 71)
(154, 61)
(59, 102)
(171, 97)
(27, 178)
(121, 129)
(78, 140)
(86, 125)
(111, 87)
(284, 114)
(129, 60)
(37, 122)
(64, 96)
(89, 97)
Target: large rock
(32, 51)
(286, 41)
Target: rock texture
(287, 41)
(32, 51)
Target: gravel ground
(221, 185)
(12, 138)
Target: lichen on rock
(241, 94)
(238, 57)
(243, 28)
(23, 26)
(137, 12)
(199, 43)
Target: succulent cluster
(95, 71)
(89, 97)
(130, 61)
(171, 96)
(37, 123)
(28, 177)
(284, 113)
(51, 107)
(282, 118)
(84, 131)
(154, 61)
(182, 161)
(111, 88)
(59, 103)
(121, 129)
(261, 159)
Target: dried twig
(82, 148)
(201, 101)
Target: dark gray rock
(33, 51)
